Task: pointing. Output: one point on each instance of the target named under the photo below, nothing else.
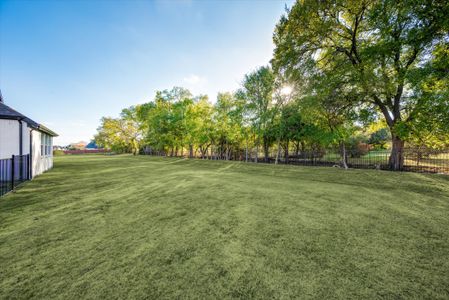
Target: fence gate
(14, 171)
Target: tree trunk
(246, 151)
(344, 157)
(396, 160)
(286, 152)
(206, 151)
(266, 151)
(225, 152)
(191, 151)
(278, 153)
(257, 152)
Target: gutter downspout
(20, 150)
(31, 153)
(20, 137)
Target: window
(45, 144)
(42, 144)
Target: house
(78, 146)
(25, 146)
(92, 146)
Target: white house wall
(26, 138)
(40, 163)
(9, 138)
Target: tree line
(343, 73)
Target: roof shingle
(7, 112)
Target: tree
(371, 48)
(291, 127)
(120, 134)
(165, 120)
(379, 138)
(203, 127)
(228, 122)
(431, 96)
(282, 94)
(257, 91)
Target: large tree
(257, 90)
(201, 126)
(228, 122)
(371, 49)
(121, 134)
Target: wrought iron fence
(415, 159)
(14, 171)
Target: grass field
(140, 227)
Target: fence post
(20, 164)
(12, 172)
(29, 167)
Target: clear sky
(66, 64)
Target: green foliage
(379, 138)
(122, 135)
(357, 146)
(350, 63)
(291, 123)
(176, 120)
(376, 57)
(58, 152)
(257, 91)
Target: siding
(9, 138)
(40, 163)
(9, 145)
(26, 138)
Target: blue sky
(68, 63)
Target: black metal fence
(14, 171)
(415, 159)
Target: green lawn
(140, 227)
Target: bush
(356, 146)
(380, 138)
(359, 150)
(58, 153)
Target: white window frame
(42, 144)
(46, 145)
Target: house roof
(7, 112)
(47, 130)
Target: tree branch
(384, 110)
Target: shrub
(58, 152)
(357, 147)
(380, 138)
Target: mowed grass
(141, 227)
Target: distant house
(77, 146)
(92, 146)
(28, 141)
